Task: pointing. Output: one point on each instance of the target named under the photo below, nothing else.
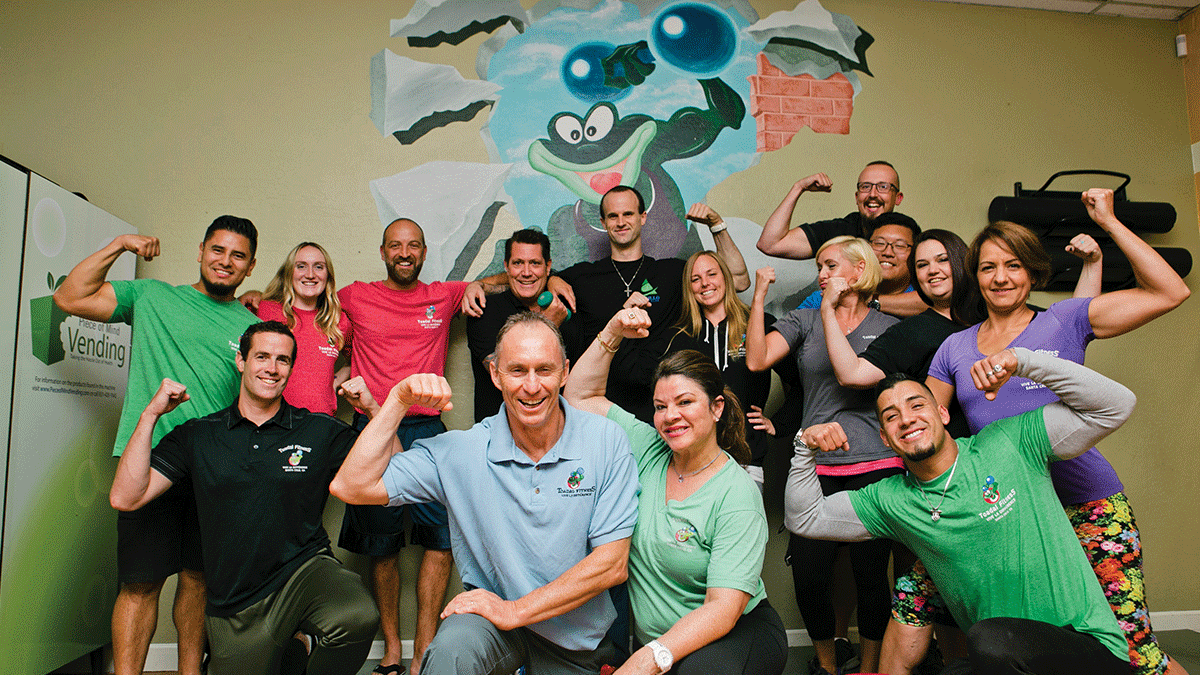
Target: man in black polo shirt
(527, 264)
(260, 472)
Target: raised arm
(358, 394)
(605, 567)
(777, 238)
(1091, 273)
(851, 369)
(135, 483)
(360, 479)
(726, 247)
(763, 349)
(85, 293)
(1159, 289)
(588, 381)
(1090, 406)
(902, 304)
(809, 513)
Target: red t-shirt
(398, 333)
(311, 383)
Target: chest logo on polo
(573, 489)
(295, 458)
(429, 321)
(650, 291)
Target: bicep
(777, 347)
(942, 391)
(98, 306)
(1119, 312)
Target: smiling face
(832, 263)
(622, 221)
(892, 245)
(1003, 279)
(529, 370)
(935, 274)
(683, 415)
(911, 422)
(527, 271)
(266, 366)
(403, 251)
(708, 283)
(873, 202)
(225, 262)
(309, 277)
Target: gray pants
(468, 644)
(324, 600)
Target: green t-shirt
(180, 333)
(715, 538)
(1003, 546)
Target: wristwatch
(662, 656)
(873, 303)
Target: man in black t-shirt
(527, 263)
(260, 472)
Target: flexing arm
(360, 479)
(763, 349)
(851, 369)
(357, 394)
(902, 304)
(85, 293)
(700, 627)
(1159, 289)
(726, 247)
(135, 483)
(1090, 405)
(809, 513)
(605, 567)
(588, 382)
(1092, 271)
(777, 238)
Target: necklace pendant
(935, 515)
(628, 292)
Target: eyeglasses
(897, 246)
(883, 188)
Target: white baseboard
(163, 655)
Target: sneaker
(814, 668)
(847, 657)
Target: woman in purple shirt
(1010, 262)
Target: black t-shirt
(260, 493)
(852, 225)
(599, 292)
(751, 388)
(908, 347)
(481, 340)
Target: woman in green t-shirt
(698, 600)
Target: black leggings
(756, 645)
(812, 571)
(1004, 645)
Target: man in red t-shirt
(401, 326)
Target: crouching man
(981, 513)
(260, 471)
(542, 500)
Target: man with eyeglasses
(877, 194)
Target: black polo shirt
(260, 493)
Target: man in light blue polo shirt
(542, 501)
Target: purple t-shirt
(1064, 331)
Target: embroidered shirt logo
(295, 458)
(574, 483)
(575, 478)
(991, 491)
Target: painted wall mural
(669, 97)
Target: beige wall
(1189, 26)
(169, 114)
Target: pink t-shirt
(398, 333)
(311, 383)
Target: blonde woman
(303, 296)
(848, 275)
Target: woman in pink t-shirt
(303, 295)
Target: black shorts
(160, 538)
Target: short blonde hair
(855, 250)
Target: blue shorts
(379, 530)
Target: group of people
(606, 509)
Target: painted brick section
(782, 105)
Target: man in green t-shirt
(981, 513)
(189, 334)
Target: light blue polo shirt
(515, 526)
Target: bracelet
(719, 227)
(607, 347)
